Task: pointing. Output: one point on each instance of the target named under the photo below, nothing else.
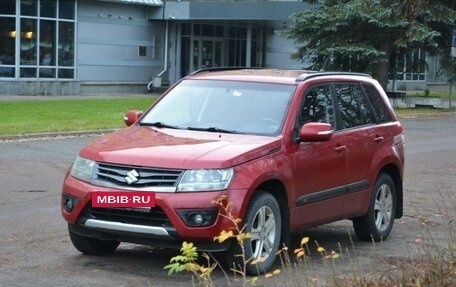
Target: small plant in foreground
(187, 261)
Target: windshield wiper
(213, 129)
(160, 125)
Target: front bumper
(162, 225)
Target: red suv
(288, 149)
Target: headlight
(83, 169)
(205, 179)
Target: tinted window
(317, 106)
(353, 106)
(378, 105)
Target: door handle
(340, 148)
(378, 139)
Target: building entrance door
(207, 53)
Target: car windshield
(223, 106)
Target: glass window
(47, 73)
(29, 7)
(411, 65)
(48, 8)
(66, 44)
(47, 42)
(28, 42)
(219, 31)
(232, 32)
(353, 106)
(317, 106)
(197, 30)
(46, 39)
(208, 31)
(28, 72)
(66, 73)
(7, 46)
(379, 106)
(244, 107)
(8, 7)
(186, 29)
(66, 9)
(185, 56)
(232, 53)
(241, 33)
(7, 40)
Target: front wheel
(377, 223)
(263, 221)
(92, 246)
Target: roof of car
(286, 76)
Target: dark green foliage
(362, 36)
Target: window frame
(337, 126)
(365, 98)
(50, 70)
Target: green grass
(420, 112)
(439, 94)
(22, 117)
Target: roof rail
(220, 69)
(306, 76)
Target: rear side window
(353, 106)
(378, 105)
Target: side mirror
(132, 117)
(315, 132)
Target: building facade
(67, 47)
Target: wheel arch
(395, 173)
(277, 189)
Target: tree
(365, 36)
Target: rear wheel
(263, 222)
(92, 246)
(377, 223)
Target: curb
(54, 135)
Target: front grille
(135, 177)
(140, 216)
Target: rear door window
(354, 109)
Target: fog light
(198, 218)
(68, 202)
(195, 219)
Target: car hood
(181, 149)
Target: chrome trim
(134, 228)
(168, 189)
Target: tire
(263, 221)
(92, 246)
(376, 225)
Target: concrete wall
(109, 39)
(27, 87)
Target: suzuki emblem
(132, 176)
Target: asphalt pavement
(35, 249)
